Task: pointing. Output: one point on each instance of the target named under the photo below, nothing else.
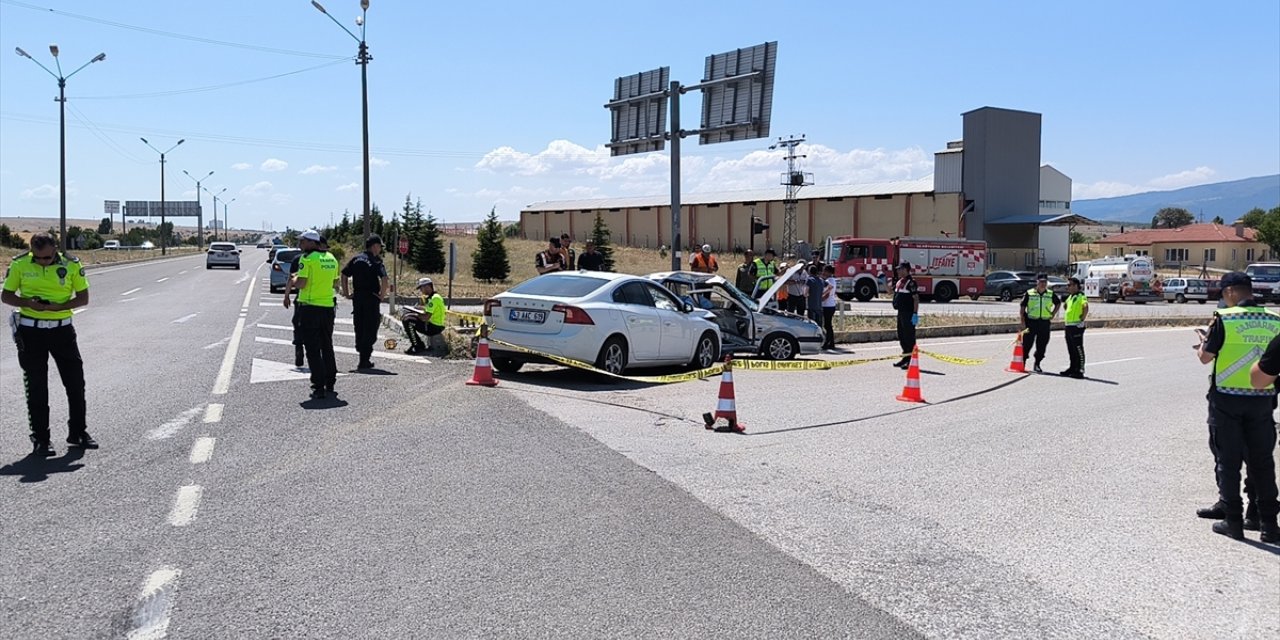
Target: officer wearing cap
(906, 300)
(45, 285)
(369, 276)
(315, 280)
(1077, 310)
(1241, 427)
(1038, 307)
(427, 319)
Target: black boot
(1270, 534)
(298, 356)
(1233, 529)
(1251, 518)
(1213, 512)
(40, 446)
(82, 440)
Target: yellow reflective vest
(1247, 331)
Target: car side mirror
(686, 307)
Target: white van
(111, 244)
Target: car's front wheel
(780, 346)
(707, 352)
(1006, 295)
(613, 356)
(506, 365)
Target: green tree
(104, 226)
(375, 222)
(1218, 220)
(428, 250)
(1269, 230)
(600, 237)
(512, 230)
(489, 260)
(1173, 217)
(1078, 238)
(1253, 218)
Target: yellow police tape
(804, 365)
(966, 362)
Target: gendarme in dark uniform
(45, 285)
(368, 276)
(906, 300)
(1241, 427)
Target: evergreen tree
(375, 223)
(344, 227)
(410, 223)
(104, 226)
(429, 255)
(489, 260)
(600, 237)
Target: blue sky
(476, 105)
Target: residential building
(1215, 246)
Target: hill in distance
(1227, 199)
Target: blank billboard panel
(639, 112)
(738, 110)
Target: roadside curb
(889, 335)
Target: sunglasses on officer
(49, 258)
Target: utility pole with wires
(793, 178)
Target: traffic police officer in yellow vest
(766, 269)
(317, 274)
(1077, 309)
(45, 285)
(1241, 427)
(1039, 306)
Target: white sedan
(614, 321)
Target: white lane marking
(202, 450)
(213, 412)
(344, 321)
(182, 272)
(1099, 364)
(223, 382)
(152, 615)
(131, 291)
(280, 327)
(186, 318)
(162, 279)
(185, 505)
(272, 371)
(80, 310)
(244, 278)
(218, 343)
(168, 429)
(278, 303)
(390, 355)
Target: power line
(157, 94)
(171, 34)
(101, 135)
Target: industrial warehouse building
(988, 186)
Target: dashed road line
(186, 318)
(132, 291)
(185, 505)
(162, 279)
(202, 450)
(213, 412)
(152, 614)
(1098, 364)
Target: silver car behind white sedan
(614, 321)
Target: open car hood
(779, 281)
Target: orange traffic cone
(726, 407)
(911, 391)
(483, 374)
(1019, 364)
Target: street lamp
(362, 59)
(62, 129)
(224, 217)
(163, 240)
(215, 209)
(199, 216)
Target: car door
(676, 340)
(992, 287)
(640, 317)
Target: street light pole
(224, 218)
(62, 130)
(163, 240)
(215, 210)
(199, 216)
(362, 59)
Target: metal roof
(1044, 220)
(777, 194)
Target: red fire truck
(944, 268)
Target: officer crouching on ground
(45, 285)
(427, 319)
(1241, 427)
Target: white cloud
(242, 166)
(42, 192)
(350, 186)
(272, 165)
(378, 162)
(580, 192)
(257, 190)
(1191, 177)
(559, 156)
(189, 193)
(317, 168)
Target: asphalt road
(224, 503)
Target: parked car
(1057, 284)
(222, 254)
(1184, 289)
(746, 325)
(262, 245)
(147, 244)
(615, 321)
(280, 264)
(1008, 285)
(1215, 289)
(1266, 281)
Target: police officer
(1039, 306)
(766, 269)
(317, 274)
(1077, 309)
(427, 319)
(1241, 427)
(906, 300)
(45, 285)
(369, 276)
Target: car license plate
(526, 315)
(222, 254)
